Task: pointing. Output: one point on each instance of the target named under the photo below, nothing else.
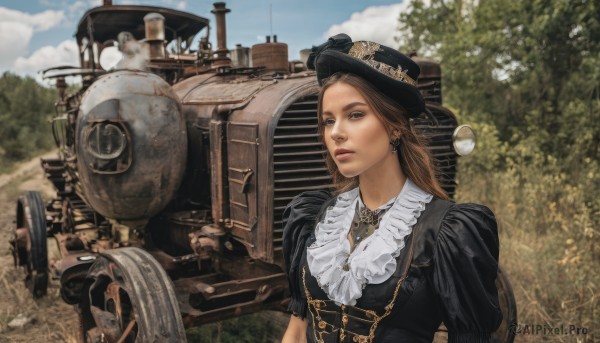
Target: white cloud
(376, 23)
(38, 22)
(17, 37)
(48, 56)
(17, 28)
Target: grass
(262, 327)
(549, 239)
(51, 320)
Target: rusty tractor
(174, 169)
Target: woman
(388, 258)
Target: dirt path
(31, 167)
(51, 320)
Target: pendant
(368, 217)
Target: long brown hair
(415, 160)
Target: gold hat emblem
(365, 51)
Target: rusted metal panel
(210, 297)
(218, 171)
(226, 92)
(265, 111)
(242, 170)
(253, 102)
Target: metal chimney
(154, 24)
(221, 60)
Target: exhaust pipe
(221, 60)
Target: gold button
(345, 320)
(322, 325)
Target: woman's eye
(328, 122)
(356, 115)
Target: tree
(523, 66)
(25, 112)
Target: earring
(395, 143)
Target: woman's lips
(343, 154)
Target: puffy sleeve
(465, 266)
(299, 220)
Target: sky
(37, 34)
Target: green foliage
(253, 328)
(518, 65)
(526, 76)
(25, 111)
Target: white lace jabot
(373, 260)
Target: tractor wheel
(29, 245)
(128, 297)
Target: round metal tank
(240, 57)
(272, 56)
(131, 145)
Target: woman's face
(353, 133)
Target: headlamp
(464, 140)
(106, 141)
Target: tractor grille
(298, 159)
(438, 134)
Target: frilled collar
(373, 260)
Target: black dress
(453, 255)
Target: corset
(333, 323)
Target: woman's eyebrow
(347, 107)
(353, 104)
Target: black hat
(390, 71)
